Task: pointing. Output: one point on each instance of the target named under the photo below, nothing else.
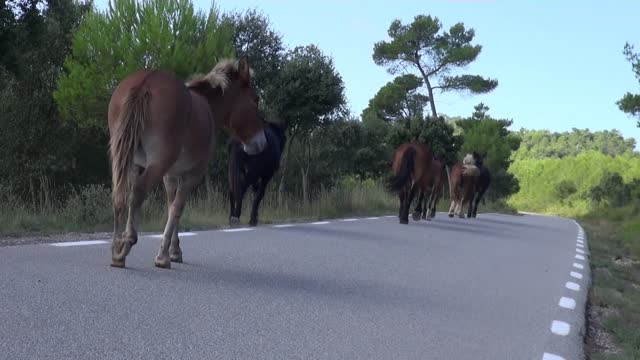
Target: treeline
(539, 144)
(60, 60)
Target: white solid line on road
(237, 230)
(320, 223)
(560, 328)
(579, 257)
(548, 356)
(283, 225)
(576, 275)
(572, 286)
(80, 243)
(578, 266)
(347, 220)
(159, 236)
(567, 303)
(372, 218)
(390, 216)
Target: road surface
(495, 287)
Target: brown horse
(462, 186)
(164, 129)
(411, 166)
(432, 188)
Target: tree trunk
(431, 100)
(283, 170)
(305, 197)
(429, 88)
(446, 167)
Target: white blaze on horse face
(257, 143)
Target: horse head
(234, 101)
(479, 158)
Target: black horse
(253, 170)
(483, 182)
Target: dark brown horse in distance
(431, 189)
(462, 186)
(163, 129)
(411, 165)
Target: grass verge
(614, 299)
(88, 210)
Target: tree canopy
(162, 34)
(422, 46)
(254, 37)
(630, 103)
(398, 99)
(539, 144)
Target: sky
(559, 63)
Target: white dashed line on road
(572, 286)
(159, 236)
(560, 328)
(576, 275)
(237, 230)
(548, 356)
(567, 303)
(80, 243)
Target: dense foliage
(59, 62)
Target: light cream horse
(462, 185)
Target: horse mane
(469, 167)
(219, 76)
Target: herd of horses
(417, 170)
(163, 129)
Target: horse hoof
(177, 258)
(404, 221)
(164, 263)
(253, 223)
(450, 215)
(428, 219)
(416, 217)
(117, 263)
(233, 221)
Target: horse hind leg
(418, 210)
(187, 183)
(452, 208)
(171, 186)
(143, 180)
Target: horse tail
(125, 142)
(407, 166)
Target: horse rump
(407, 165)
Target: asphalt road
(487, 288)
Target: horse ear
(200, 86)
(243, 68)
